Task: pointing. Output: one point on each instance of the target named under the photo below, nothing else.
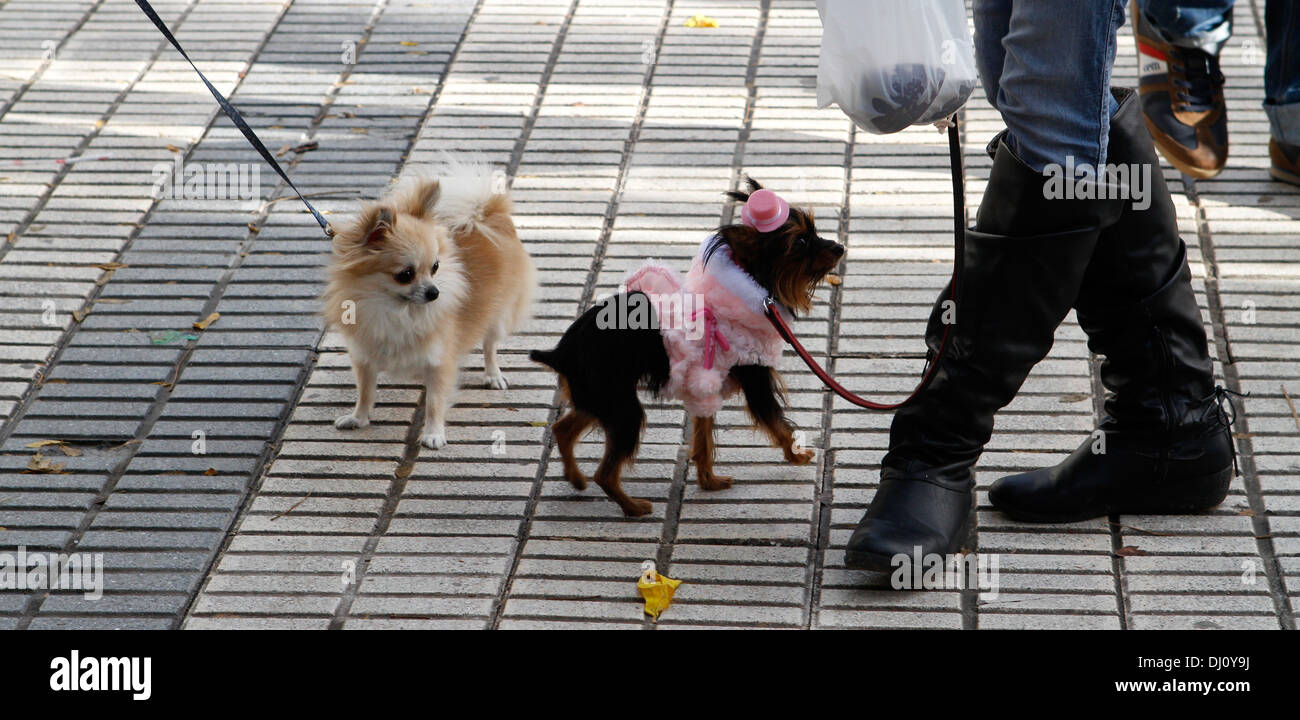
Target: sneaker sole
(1204, 493)
(1283, 175)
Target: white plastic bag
(889, 64)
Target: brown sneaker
(1182, 102)
(1286, 162)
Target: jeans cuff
(1284, 122)
(1211, 41)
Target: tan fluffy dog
(419, 279)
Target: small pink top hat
(765, 211)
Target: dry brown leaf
(210, 471)
(173, 148)
(111, 266)
(833, 279)
(1130, 551)
(44, 443)
(207, 321)
(40, 464)
(70, 451)
(80, 315)
(404, 470)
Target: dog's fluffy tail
(472, 192)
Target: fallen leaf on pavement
(205, 322)
(701, 21)
(41, 464)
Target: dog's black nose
(431, 294)
(839, 250)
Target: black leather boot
(1023, 266)
(1165, 444)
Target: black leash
(233, 114)
(959, 252)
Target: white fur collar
(735, 279)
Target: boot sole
(1204, 492)
(862, 560)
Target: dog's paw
(350, 422)
(495, 380)
(802, 456)
(434, 440)
(636, 507)
(713, 482)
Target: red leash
(959, 248)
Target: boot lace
(1198, 78)
(1219, 407)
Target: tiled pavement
(620, 126)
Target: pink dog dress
(711, 321)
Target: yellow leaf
(656, 589)
(43, 443)
(205, 322)
(408, 43)
(701, 21)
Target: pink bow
(711, 335)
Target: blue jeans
(1045, 66)
(1207, 24)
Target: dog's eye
(434, 269)
(405, 276)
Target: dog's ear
(741, 195)
(375, 223)
(422, 197)
(741, 240)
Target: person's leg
(1053, 108)
(1022, 268)
(992, 22)
(1165, 443)
(1282, 87)
(1180, 81)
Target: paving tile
(619, 127)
